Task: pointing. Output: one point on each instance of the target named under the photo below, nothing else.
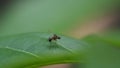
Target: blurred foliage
(51, 15)
(56, 16)
(113, 37)
(104, 51)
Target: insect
(54, 37)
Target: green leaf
(112, 37)
(102, 54)
(32, 50)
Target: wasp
(54, 37)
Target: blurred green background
(51, 15)
(77, 18)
